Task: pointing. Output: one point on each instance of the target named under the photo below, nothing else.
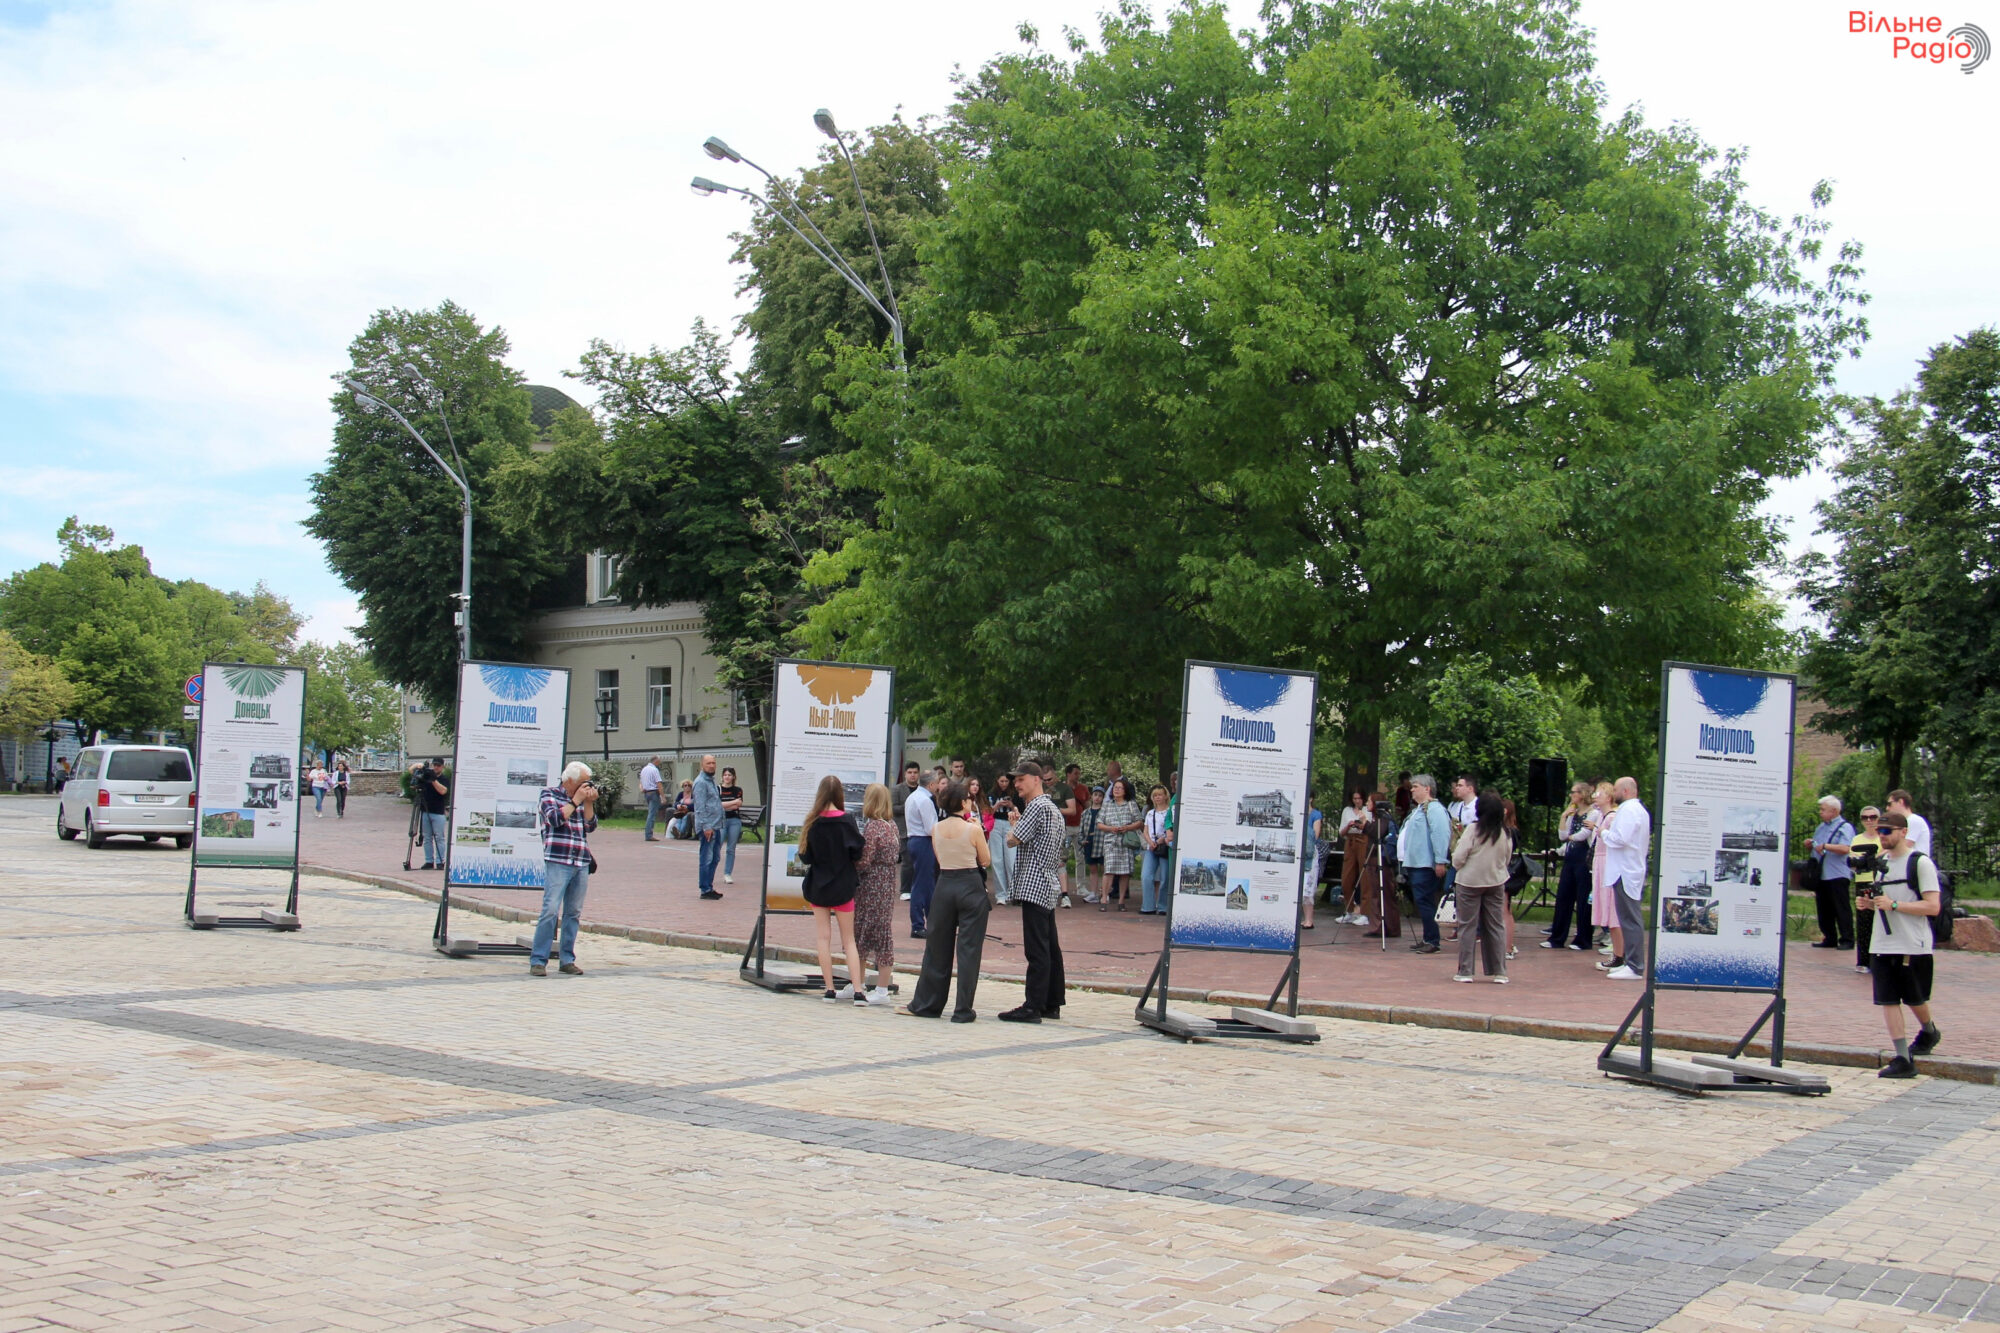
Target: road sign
(192, 687)
(190, 710)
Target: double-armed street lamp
(781, 199)
(369, 401)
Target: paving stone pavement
(341, 1129)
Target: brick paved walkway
(341, 1129)
(653, 885)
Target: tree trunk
(1362, 738)
(1892, 761)
(760, 749)
(1165, 735)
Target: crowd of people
(954, 852)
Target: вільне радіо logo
(1925, 37)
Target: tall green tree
(1910, 597)
(33, 689)
(390, 517)
(349, 704)
(1360, 342)
(1477, 721)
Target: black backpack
(1941, 923)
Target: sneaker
(1926, 1041)
(880, 996)
(1622, 974)
(711, 897)
(570, 970)
(1898, 1068)
(1357, 921)
(1548, 944)
(1463, 977)
(906, 897)
(1427, 948)
(1022, 1015)
(1604, 949)
(1577, 948)
(538, 969)
(861, 998)
(1864, 970)
(829, 997)
(1499, 980)
(846, 993)
(1548, 930)
(729, 879)
(1063, 903)
(920, 934)
(1606, 967)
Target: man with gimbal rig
(1904, 897)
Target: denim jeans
(732, 833)
(709, 846)
(563, 888)
(319, 799)
(1153, 882)
(1424, 888)
(923, 881)
(652, 811)
(434, 832)
(1003, 859)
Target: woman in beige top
(1482, 857)
(959, 904)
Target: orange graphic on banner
(836, 684)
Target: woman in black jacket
(830, 844)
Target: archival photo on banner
(826, 718)
(511, 723)
(1240, 832)
(1725, 802)
(248, 784)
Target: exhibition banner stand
(826, 717)
(511, 723)
(1237, 867)
(1719, 871)
(247, 785)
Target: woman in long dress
(1118, 817)
(875, 902)
(1603, 907)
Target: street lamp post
(370, 403)
(604, 722)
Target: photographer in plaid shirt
(569, 813)
(1040, 835)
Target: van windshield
(148, 766)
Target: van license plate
(150, 800)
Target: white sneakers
(1623, 974)
(879, 995)
(1351, 919)
(729, 879)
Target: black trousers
(1835, 900)
(957, 926)
(1572, 896)
(1046, 984)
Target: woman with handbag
(1158, 837)
(1482, 858)
(875, 901)
(831, 846)
(1119, 831)
(1002, 807)
(1573, 887)
(343, 779)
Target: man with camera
(569, 813)
(1832, 879)
(1424, 848)
(1904, 899)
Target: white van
(145, 790)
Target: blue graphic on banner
(496, 872)
(1213, 934)
(1728, 695)
(513, 682)
(1694, 962)
(1251, 691)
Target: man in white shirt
(920, 817)
(649, 783)
(1627, 838)
(1902, 942)
(1920, 828)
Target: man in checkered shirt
(1039, 836)
(569, 813)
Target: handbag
(1131, 839)
(1447, 912)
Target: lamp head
(824, 119)
(719, 150)
(362, 397)
(703, 185)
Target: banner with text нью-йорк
(1724, 828)
(1239, 832)
(511, 723)
(827, 718)
(248, 788)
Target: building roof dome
(543, 404)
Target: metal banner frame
(1707, 1072)
(441, 940)
(266, 919)
(754, 967)
(1265, 1023)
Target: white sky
(202, 202)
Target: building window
(604, 570)
(659, 697)
(607, 691)
(739, 707)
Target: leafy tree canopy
(33, 689)
(390, 517)
(348, 702)
(1476, 721)
(1360, 343)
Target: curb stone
(1549, 1029)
